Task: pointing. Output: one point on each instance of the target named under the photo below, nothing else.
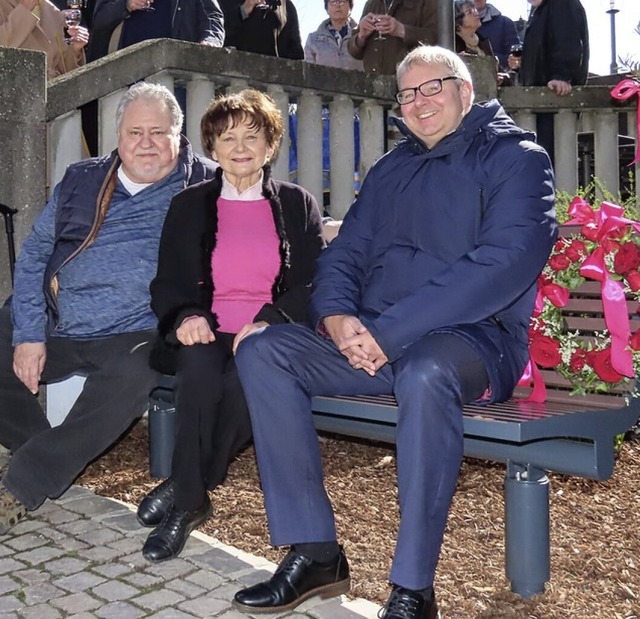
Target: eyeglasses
(471, 11)
(426, 89)
(337, 2)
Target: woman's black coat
(183, 285)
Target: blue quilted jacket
(449, 239)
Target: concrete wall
(22, 140)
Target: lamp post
(613, 68)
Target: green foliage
(563, 200)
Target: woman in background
(468, 41)
(237, 254)
(39, 25)
(328, 44)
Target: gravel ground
(595, 528)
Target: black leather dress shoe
(154, 507)
(297, 579)
(407, 604)
(167, 540)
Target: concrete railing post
(341, 155)
(566, 147)
(65, 145)
(310, 144)
(372, 132)
(280, 167)
(607, 158)
(525, 119)
(200, 91)
(107, 138)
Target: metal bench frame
(532, 439)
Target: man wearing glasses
(425, 294)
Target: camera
(516, 50)
(273, 4)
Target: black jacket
(198, 21)
(556, 44)
(183, 285)
(257, 33)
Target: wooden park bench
(567, 434)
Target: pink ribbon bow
(532, 377)
(602, 222)
(623, 91)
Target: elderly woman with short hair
(328, 44)
(237, 254)
(467, 20)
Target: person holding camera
(268, 27)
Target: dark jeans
(212, 419)
(282, 368)
(45, 461)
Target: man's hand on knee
(28, 363)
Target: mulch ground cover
(595, 528)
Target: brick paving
(80, 557)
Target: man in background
(555, 54)
(389, 29)
(198, 21)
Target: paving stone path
(80, 557)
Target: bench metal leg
(528, 563)
(161, 433)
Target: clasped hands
(356, 343)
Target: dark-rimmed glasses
(426, 89)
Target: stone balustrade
(31, 109)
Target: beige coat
(20, 28)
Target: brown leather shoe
(297, 579)
(11, 511)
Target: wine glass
(72, 19)
(387, 8)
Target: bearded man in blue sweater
(426, 293)
(81, 301)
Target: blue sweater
(66, 287)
